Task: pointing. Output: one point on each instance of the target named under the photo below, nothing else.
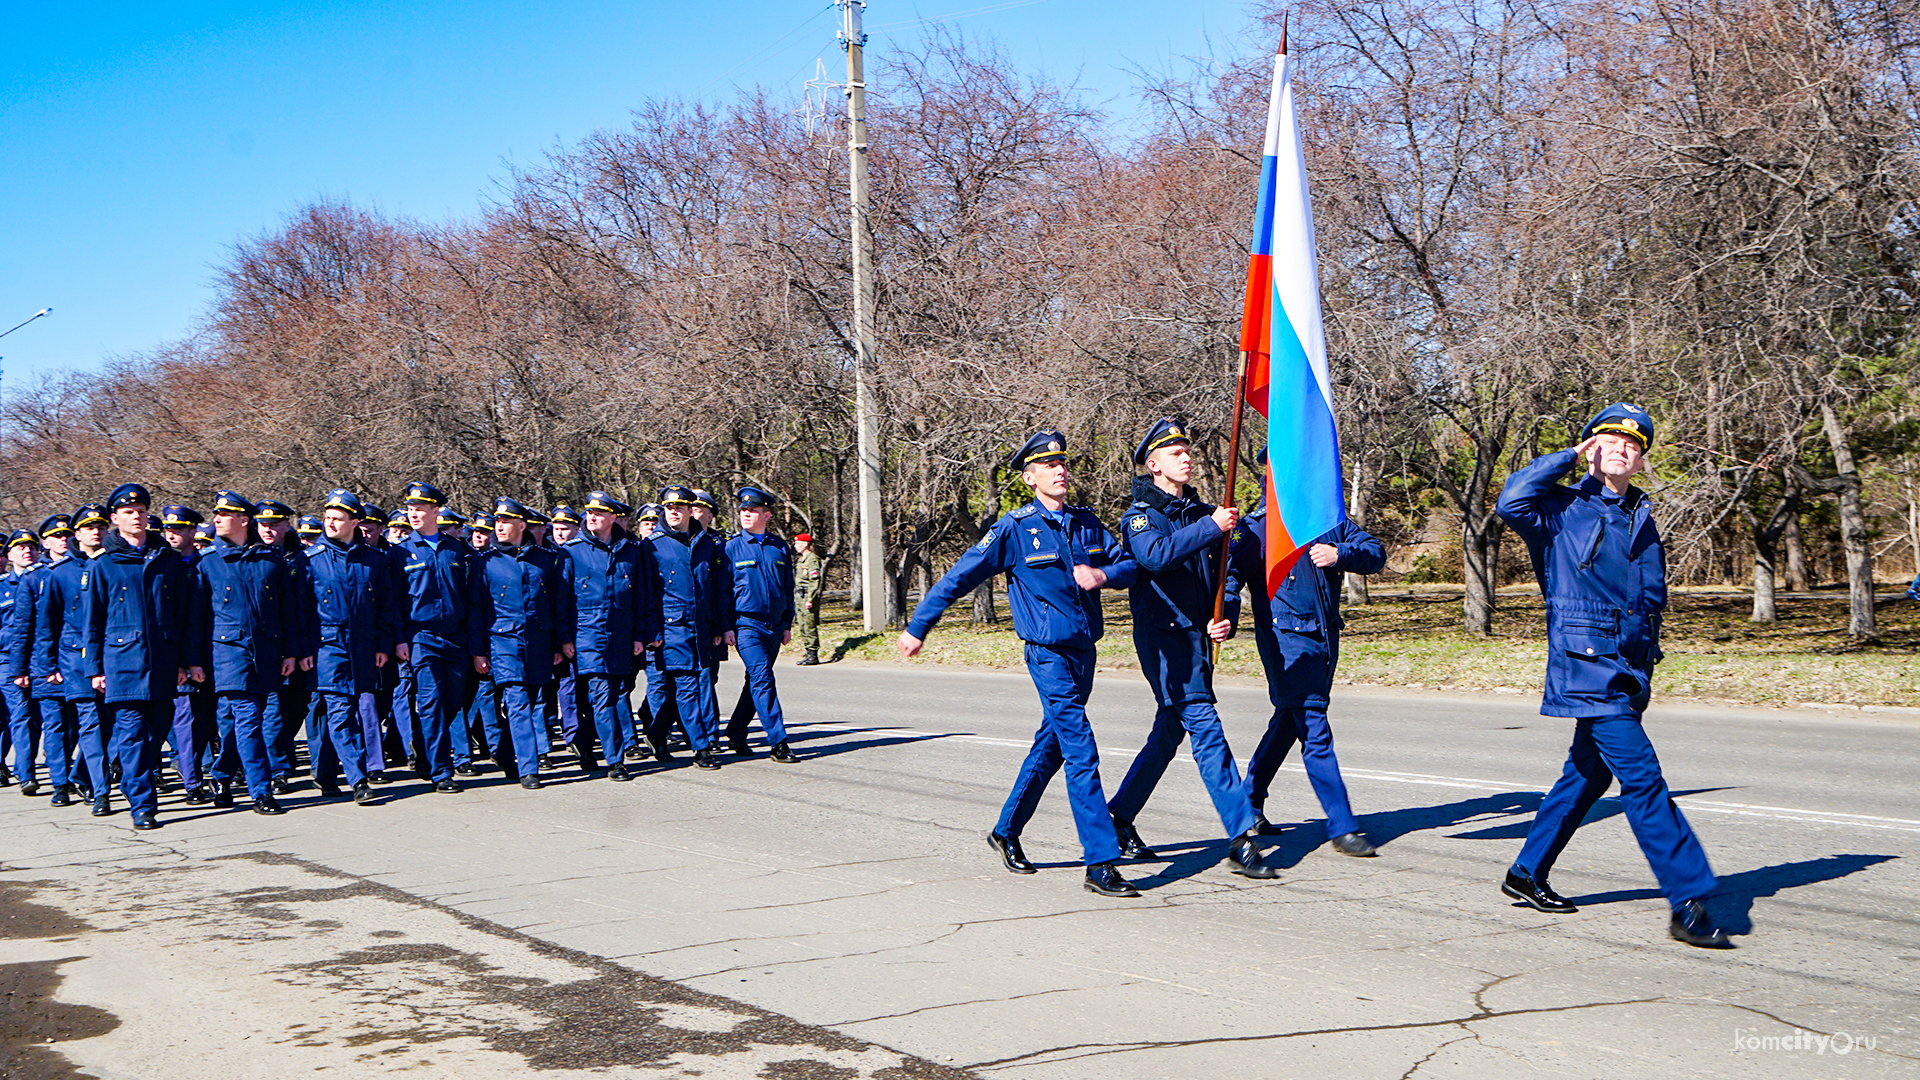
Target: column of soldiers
(445, 641)
(129, 639)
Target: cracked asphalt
(845, 918)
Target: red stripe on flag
(1281, 551)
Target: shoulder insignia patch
(985, 543)
(1137, 522)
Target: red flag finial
(1283, 32)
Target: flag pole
(1233, 476)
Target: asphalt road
(844, 917)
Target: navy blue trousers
(23, 729)
(479, 720)
(347, 738)
(605, 699)
(243, 743)
(1063, 677)
(89, 743)
(1173, 724)
(282, 713)
(135, 731)
(759, 645)
(1306, 725)
(60, 732)
(525, 728)
(688, 695)
(193, 732)
(1605, 748)
(438, 688)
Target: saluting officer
(685, 631)
(353, 625)
(1297, 631)
(1602, 570)
(246, 631)
(1176, 540)
(30, 663)
(137, 593)
(1056, 558)
(806, 597)
(434, 571)
(520, 624)
(762, 621)
(22, 721)
(610, 575)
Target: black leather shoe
(1355, 845)
(812, 659)
(6, 777)
(62, 795)
(449, 787)
(619, 774)
(363, 794)
(198, 795)
(740, 749)
(1693, 925)
(279, 786)
(465, 770)
(1130, 843)
(784, 754)
(1010, 853)
(1535, 894)
(531, 783)
(419, 767)
(145, 821)
(1102, 878)
(113, 772)
(706, 759)
(30, 789)
(222, 795)
(330, 791)
(378, 777)
(103, 804)
(638, 752)
(265, 806)
(1243, 858)
(1263, 827)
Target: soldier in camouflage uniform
(806, 597)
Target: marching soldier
(353, 624)
(433, 569)
(762, 621)
(55, 663)
(1602, 570)
(519, 622)
(194, 729)
(480, 699)
(136, 594)
(1056, 558)
(612, 581)
(30, 666)
(309, 529)
(399, 527)
(688, 627)
(806, 597)
(1176, 540)
(21, 720)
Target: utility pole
(876, 597)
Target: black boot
(1535, 894)
(1693, 925)
(1243, 858)
(1102, 878)
(1010, 854)
(1130, 843)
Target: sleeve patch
(1137, 523)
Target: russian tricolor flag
(1287, 378)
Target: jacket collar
(1148, 494)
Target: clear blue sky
(141, 141)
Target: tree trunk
(1766, 555)
(1853, 531)
(1798, 579)
(1355, 585)
(983, 613)
(1480, 555)
(856, 587)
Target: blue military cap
(57, 525)
(422, 492)
(676, 495)
(649, 512)
(751, 496)
(90, 515)
(370, 512)
(203, 533)
(272, 510)
(448, 517)
(1622, 418)
(607, 504)
(482, 522)
(1043, 445)
(504, 507)
(565, 515)
(346, 502)
(232, 502)
(534, 517)
(1165, 431)
(129, 495)
(153, 523)
(23, 536)
(399, 517)
(177, 516)
(703, 497)
(309, 525)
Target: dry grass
(1413, 638)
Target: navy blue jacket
(613, 598)
(519, 612)
(691, 574)
(433, 579)
(352, 612)
(135, 606)
(59, 632)
(1038, 556)
(246, 616)
(1177, 545)
(16, 619)
(1603, 573)
(762, 579)
(1297, 630)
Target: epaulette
(1257, 513)
(1081, 509)
(1024, 511)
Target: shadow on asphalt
(1732, 902)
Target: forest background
(1525, 210)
